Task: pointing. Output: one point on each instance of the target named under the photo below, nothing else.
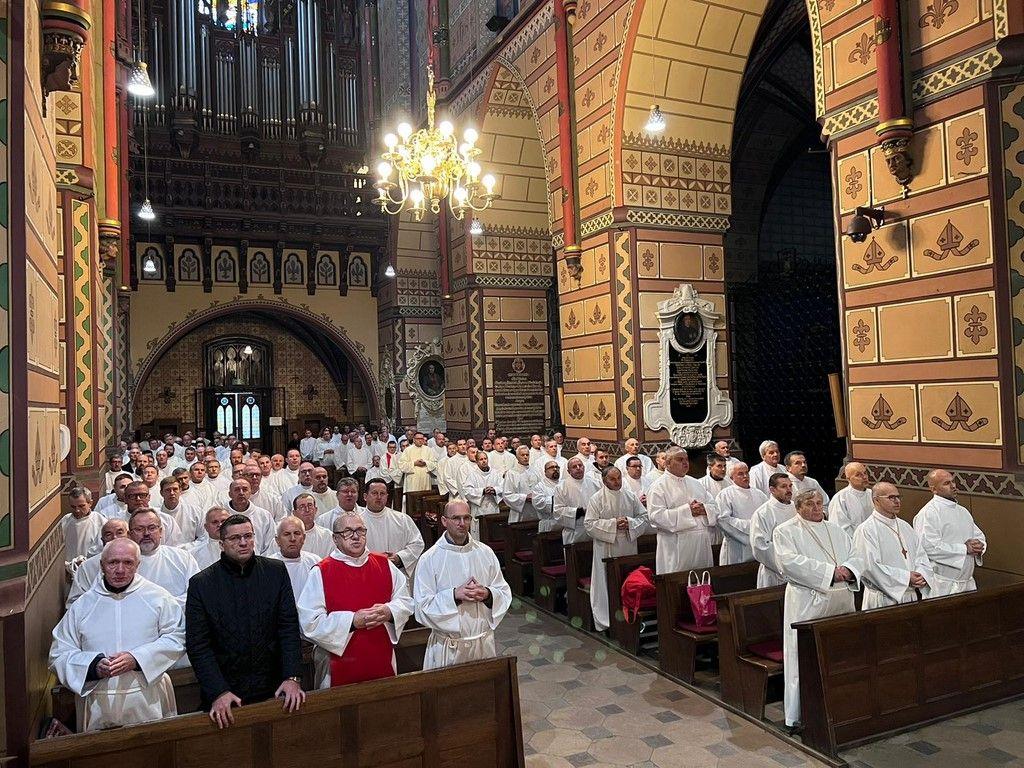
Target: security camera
(864, 221)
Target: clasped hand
(975, 547)
(917, 581)
(697, 509)
(374, 616)
(842, 574)
(118, 664)
(472, 591)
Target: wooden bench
(749, 620)
(868, 675)
(679, 638)
(417, 719)
(492, 533)
(548, 569)
(519, 556)
(627, 634)
(579, 559)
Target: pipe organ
(256, 69)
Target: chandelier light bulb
(461, 194)
(476, 228)
(474, 170)
(416, 195)
(404, 130)
(390, 140)
(429, 164)
(489, 182)
(655, 121)
(384, 171)
(470, 136)
(146, 212)
(139, 83)
(446, 128)
(390, 271)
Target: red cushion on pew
(584, 582)
(697, 630)
(525, 555)
(496, 544)
(769, 649)
(649, 603)
(554, 571)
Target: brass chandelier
(420, 170)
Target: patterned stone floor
(584, 704)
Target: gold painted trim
(67, 9)
(900, 122)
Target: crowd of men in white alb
(173, 499)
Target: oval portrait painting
(689, 330)
(431, 378)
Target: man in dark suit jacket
(241, 628)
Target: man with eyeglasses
(896, 567)
(459, 593)
(241, 628)
(168, 567)
(353, 607)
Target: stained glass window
(240, 15)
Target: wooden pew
(579, 559)
(492, 533)
(627, 634)
(865, 676)
(751, 619)
(548, 569)
(519, 556)
(354, 725)
(679, 638)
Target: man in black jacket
(241, 628)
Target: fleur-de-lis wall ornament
(882, 414)
(949, 243)
(975, 320)
(937, 12)
(861, 336)
(576, 412)
(959, 414)
(572, 322)
(597, 316)
(862, 50)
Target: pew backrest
(466, 715)
(864, 676)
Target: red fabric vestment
(368, 655)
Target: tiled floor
(586, 705)
(992, 737)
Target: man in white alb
(796, 466)
(761, 473)
(953, 542)
(347, 498)
(851, 505)
(763, 523)
(459, 593)
(677, 507)
(542, 497)
(615, 519)
(289, 549)
(734, 507)
(206, 550)
(518, 486)
(114, 646)
(896, 568)
(391, 533)
(822, 572)
(81, 525)
(417, 462)
(572, 497)
(632, 447)
(483, 489)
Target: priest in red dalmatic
(353, 608)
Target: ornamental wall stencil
(967, 150)
(959, 414)
(576, 412)
(882, 414)
(852, 179)
(861, 336)
(874, 258)
(975, 320)
(502, 343)
(949, 243)
(937, 13)
(602, 413)
(597, 316)
(531, 343)
(862, 50)
(572, 322)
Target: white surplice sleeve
(331, 631)
(929, 530)
(159, 655)
(797, 567)
(67, 659)
(892, 580)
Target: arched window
(188, 266)
(225, 415)
(151, 265)
(259, 268)
(294, 274)
(240, 15)
(250, 419)
(326, 273)
(357, 272)
(224, 268)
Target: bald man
(632, 447)
(952, 541)
(852, 505)
(896, 568)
